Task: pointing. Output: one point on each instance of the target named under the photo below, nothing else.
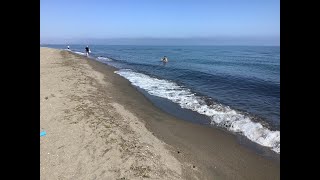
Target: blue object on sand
(43, 133)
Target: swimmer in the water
(164, 59)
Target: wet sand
(99, 126)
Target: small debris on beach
(43, 133)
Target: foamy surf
(80, 53)
(103, 58)
(220, 115)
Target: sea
(236, 88)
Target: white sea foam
(80, 53)
(220, 115)
(103, 58)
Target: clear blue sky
(241, 20)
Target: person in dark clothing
(164, 59)
(87, 51)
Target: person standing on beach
(68, 47)
(87, 50)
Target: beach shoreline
(186, 150)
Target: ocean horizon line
(158, 45)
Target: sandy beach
(100, 127)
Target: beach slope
(89, 135)
(99, 126)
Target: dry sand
(89, 136)
(99, 127)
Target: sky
(234, 22)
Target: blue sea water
(236, 87)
